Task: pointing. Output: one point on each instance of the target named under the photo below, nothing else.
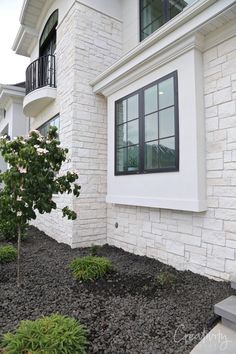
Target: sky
(12, 66)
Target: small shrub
(8, 230)
(53, 334)
(94, 250)
(7, 254)
(89, 268)
(166, 280)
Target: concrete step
(227, 310)
(220, 339)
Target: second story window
(154, 13)
(47, 43)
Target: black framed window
(53, 122)
(146, 129)
(47, 42)
(154, 13)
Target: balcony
(40, 85)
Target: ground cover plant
(90, 267)
(166, 280)
(124, 312)
(7, 254)
(52, 334)
(32, 179)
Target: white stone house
(13, 122)
(144, 95)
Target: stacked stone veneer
(88, 42)
(202, 242)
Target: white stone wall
(53, 224)
(88, 41)
(202, 242)
(98, 45)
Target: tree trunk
(18, 255)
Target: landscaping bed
(127, 311)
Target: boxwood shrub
(54, 334)
(89, 267)
(7, 254)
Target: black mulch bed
(124, 313)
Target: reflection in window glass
(166, 93)
(155, 13)
(150, 99)
(166, 152)
(54, 122)
(121, 160)
(121, 112)
(151, 127)
(167, 122)
(133, 131)
(122, 135)
(132, 107)
(151, 155)
(133, 158)
(149, 141)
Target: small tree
(32, 179)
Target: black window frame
(48, 123)
(141, 143)
(50, 36)
(165, 14)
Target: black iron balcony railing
(40, 73)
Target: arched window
(47, 42)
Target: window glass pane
(166, 93)
(166, 122)
(133, 132)
(158, 119)
(121, 160)
(176, 6)
(121, 135)
(54, 122)
(167, 152)
(52, 23)
(121, 112)
(151, 155)
(151, 127)
(133, 107)
(152, 16)
(150, 99)
(133, 158)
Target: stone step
(220, 340)
(227, 310)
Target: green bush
(8, 229)
(53, 334)
(88, 268)
(7, 254)
(94, 250)
(166, 280)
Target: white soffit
(27, 35)
(9, 91)
(31, 11)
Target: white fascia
(169, 35)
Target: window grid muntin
(166, 15)
(126, 122)
(142, 142)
